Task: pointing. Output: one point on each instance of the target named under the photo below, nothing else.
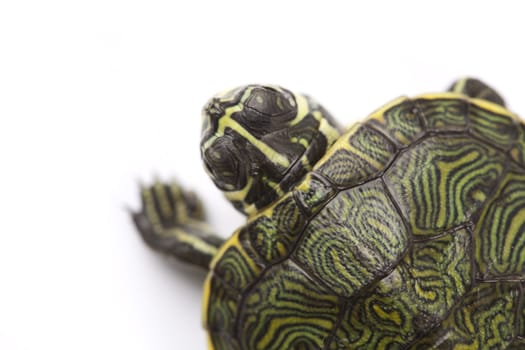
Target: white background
(97, 95)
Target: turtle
(403, 231)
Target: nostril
(214, 108)
(212, 113)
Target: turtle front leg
(172, 221)
(477, 89)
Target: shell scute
(334, 248)
(287, 310)
(413, 298)
(485, 319)
(236, 266)
(497, 128)
(402, 120)
(312, 194)
(272, 235)
(444, 114)
(499, 254)
(442, 181)
(222, 309)
(360, 154)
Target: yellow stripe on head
(255, 135)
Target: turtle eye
(269, 102)
(222, 162)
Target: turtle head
(259, 141)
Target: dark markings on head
(259, 141)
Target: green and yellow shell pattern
(407, 234)
(406, 231)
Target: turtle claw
(168, 205)
(171, 220)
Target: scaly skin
(417, 244)
(258, 141)
(407, 233)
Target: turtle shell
(408, 234)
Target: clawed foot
(171, 220)
(167, 205)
